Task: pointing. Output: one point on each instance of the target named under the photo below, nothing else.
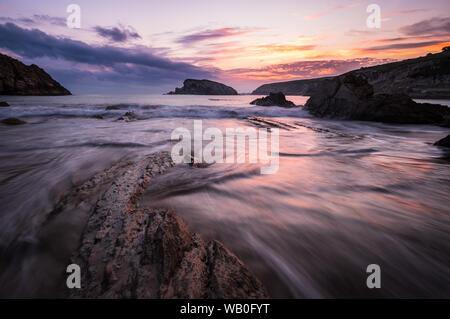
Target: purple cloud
(36, 19)
(434, 26)
(402, 46)
(211, 34)
(104, 63)
(117, 34)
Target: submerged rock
(4, 104)
(112, 107)
(351, 97)
(204, 87)
(128, 117)
(443, 142)
(13, 121)
(273, 99)
(98, 117)
(17, 78)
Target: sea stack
(273, 99)
(204, 87)
(17, 78)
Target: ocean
(347, 194)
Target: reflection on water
(346, 195)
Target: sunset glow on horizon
(152, 46)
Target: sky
(137, 46)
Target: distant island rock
(423, 77)
(17, 78)
(351, 97)
(443, 142)
(273, 99)
(204, 87)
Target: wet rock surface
(351, 97)
(129, 251)
(4, 104)
(128, 117)
(273, 99)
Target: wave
(152, 111)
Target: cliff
(17, 78)
(423, 77)
(204, 87)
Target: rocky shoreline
(128, 251)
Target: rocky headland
(17, 78)
(351, 97)
(423, 77)
(204, 87)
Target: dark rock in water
(443, 142)
(128, 117)
(13, 121)
(112, 107)
(351, 97)
(4, 104)
(17, 78)
(98, 117)
(204, 87)
(273, 99)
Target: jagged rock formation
(273, 99)
(129, 251)
(17, 78)
(423, 77)
(351, 97)
(204, 87)
(443, 142)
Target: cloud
(37, 19)
(105, 63)
(403, 46)
(403, 12)
(331, 10)
(305, 69)
(211, 34)
(287, 47)
(117, 34)
(434, 26)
